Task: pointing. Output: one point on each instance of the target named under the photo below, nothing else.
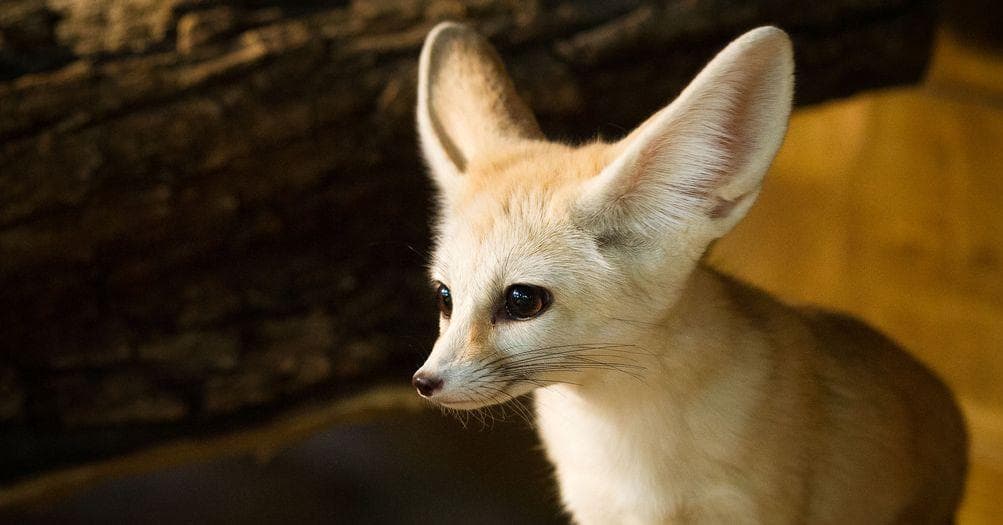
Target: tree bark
(213, 210)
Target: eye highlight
(525, 301)
(444, 299)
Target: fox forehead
(538, 165)
(530, 182)
(513, 218)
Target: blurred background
(213, 231)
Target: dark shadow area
(417, 468)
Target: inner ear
(697, 165)
(467, 104)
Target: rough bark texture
(211, 210)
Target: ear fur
(466, 102)
(696, 165)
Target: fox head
(550, 259)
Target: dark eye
(444, 299)
(525, 301)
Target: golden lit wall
(889, 205)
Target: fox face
(514, 269)
(552, 261)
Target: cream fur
(665, 392)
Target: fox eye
(445, 300)
(525, 301)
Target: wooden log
(213, 211)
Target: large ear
(696, 165)
(466, 102)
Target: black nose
(426, 385)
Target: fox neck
(710, 373)
(695, 346)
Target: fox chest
(634, 470)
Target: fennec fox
(665, 392)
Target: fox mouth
(506, 378)
(460, 401)
(475, 397)
(468, 404)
